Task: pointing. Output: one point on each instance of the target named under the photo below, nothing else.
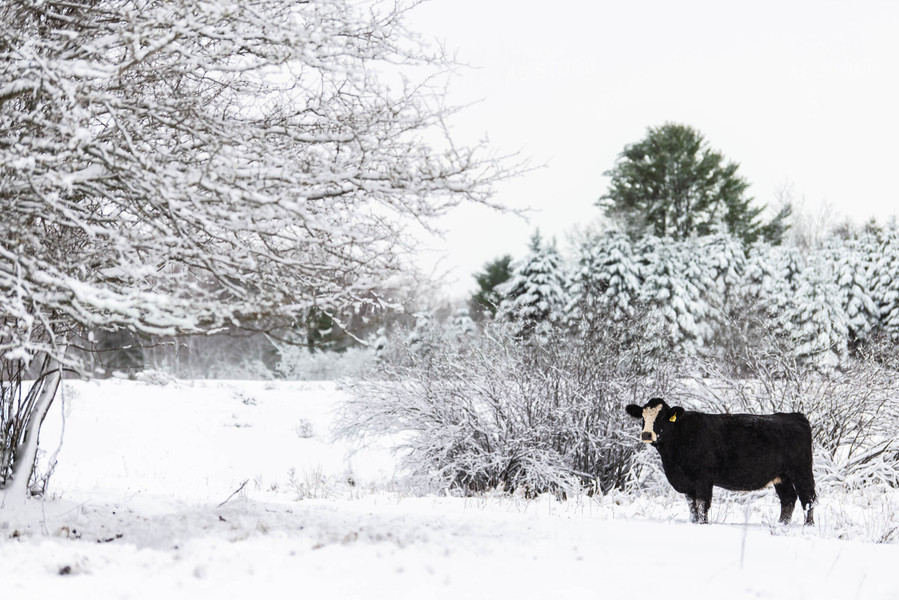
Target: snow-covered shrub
(312, 483)
(298, 363)
(245, 398)
(253, 369)
(154, 377)
(490, 412)
(304, 429)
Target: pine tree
(380, 342)
(421, 337)
(746, 327)
(851, 261)
(461, 325)
(671, 184)
(485, 301)
(819, 332)
(758, 273)
(725, 258)
(534, 298)
(885, 281)
(677, 287)
(780, 291)
(725, 261)
(605, 280)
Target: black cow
(735, 452)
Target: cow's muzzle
(646, 436)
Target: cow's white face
(657, 417)
(650, 414)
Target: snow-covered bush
(298, 363)
(154, 377)
(304, 429)
(490, 412)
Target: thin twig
(234, 493)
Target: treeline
(712, 296)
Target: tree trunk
(16, 490)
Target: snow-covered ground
(143, 505)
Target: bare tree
(809, 226)
(177, 166)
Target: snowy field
(235, 490)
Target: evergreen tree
(671, 184)
(486, 299)
(758, 273)
(678, 287)
(792, 301)
(422, 335)
(819, 332)
(534, 298)
(321, 332)
(885, 281)
(780, 293)
(605, 280)
(851, 261)
(461, 325)
(725, 258)
(380, 342)
(747, 326)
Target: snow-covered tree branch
(179, 166)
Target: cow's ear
(634, 411)
(675, 413)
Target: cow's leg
(699, 509)
(700, 500)
(694, 513)
(787, 494)
(703, 501)
(805, 487)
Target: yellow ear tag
(673, 418)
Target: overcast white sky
(801, 93)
